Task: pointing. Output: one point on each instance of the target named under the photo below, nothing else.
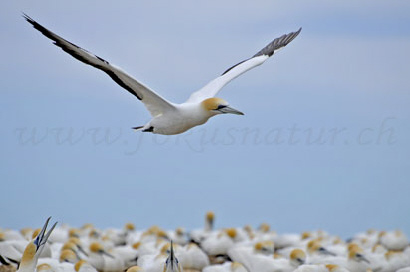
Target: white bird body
(84, 266)
(13, 249)
(170, 118)
(55, 265)
(225, 267)
(312, 268)
(217, 244)
(192, 257)
(152, 262)
(394, 240)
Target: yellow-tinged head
(332, 267)
(96, 247)
(306, 235)
(165, 249)
(67, 255)
(231, 232)
(70, 246)
(210, 216)
(136, 245)
(313, 245)
(297, 257)
(35, 233)
(75, 241)
(353, 246)
(180, 231)
(216, 105)
(74, 233)
(356, 254)
(44, 267)
(88, 226)
(265, 247)
(129, 226)
(135, 269)
(78, 265)
(264, 227)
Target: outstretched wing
(213, 87)
(153, 102)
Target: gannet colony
(62, 248)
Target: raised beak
(42, 237)
(228, 109)
(171, 254)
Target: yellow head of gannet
(77, 243)
(264, 227)
(314, 246)
(209, 221)
(34, 248)
(129, 227)
(97, 248)
(69, 256)
(264, 247)
(356, 254)
(171, 263)
(231, 232)
(45, 267)
(305, 235)
(217, 105)
(297, 257)
(78, 265)
(135, 269)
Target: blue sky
(324, 142)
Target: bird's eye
(221, 107)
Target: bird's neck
(29, 259)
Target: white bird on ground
(226, 267)
(169, 118)
(394, 240)
(34, 249)
(192, 257)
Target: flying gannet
(170, 118)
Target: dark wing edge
(271, 47)
(62, 43)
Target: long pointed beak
(326, 252)
(228, 109)
(107, 254)
(171, 254)
(81, 249)
(42, 237)
(362, 258)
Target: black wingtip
(27, 18)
